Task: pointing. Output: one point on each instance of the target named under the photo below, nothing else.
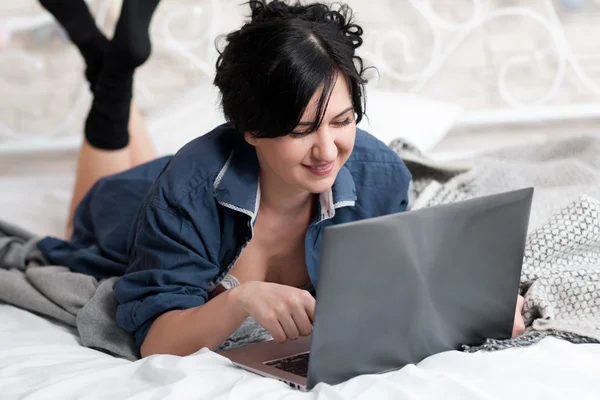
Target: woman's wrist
(235, 299)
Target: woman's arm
(284, 311)
(183, 332)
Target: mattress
(42, 359)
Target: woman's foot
(76, 19)
(106, 126)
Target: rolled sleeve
(403, 179)
(392, 194)
(171, 266)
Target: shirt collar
(341, 194)
(237, 187)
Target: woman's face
(311, 162)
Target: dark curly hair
(272, 66)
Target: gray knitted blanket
(561, 271)
(80, 301)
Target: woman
(227, 232)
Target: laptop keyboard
(296, 364)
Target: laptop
(396, 289)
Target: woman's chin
(320, 186)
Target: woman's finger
(271, 324)
(289, 326)
(308, 301)
(302, 321)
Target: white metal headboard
(516, 110)
(513, 111)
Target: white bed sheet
(40, 359)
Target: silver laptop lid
(394, 290)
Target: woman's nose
(325, 148)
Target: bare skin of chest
(277, 252)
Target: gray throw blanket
(561, 272)
(29, 282)
(561, 269)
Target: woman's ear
(250, 139)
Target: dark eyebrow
(337, 116)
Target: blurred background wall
(479, 55)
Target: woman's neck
(281, 199)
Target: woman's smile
(320, 169)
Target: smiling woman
(226, 234)
(291, 57)
(306, 161)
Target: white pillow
(421, 121)
(195, 113)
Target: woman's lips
(320, 170)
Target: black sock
(75, 17)
(106, 126)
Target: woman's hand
(284, 311)
(519, 324)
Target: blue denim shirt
(199, 215)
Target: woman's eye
(345, 122)
(298, 134)
(339, 124)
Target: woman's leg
(115, 136)
(76, 19)
(94, 163)
(141, 148)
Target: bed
(41, 358)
